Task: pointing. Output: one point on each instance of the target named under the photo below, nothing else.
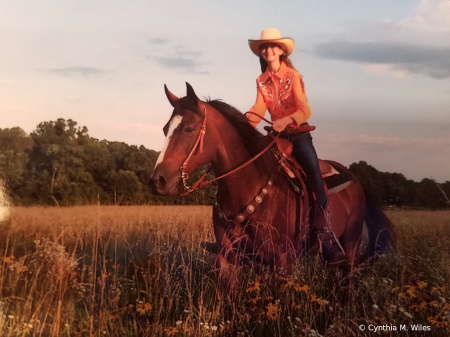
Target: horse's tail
(381, 235)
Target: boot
(331, 251)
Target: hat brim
(287, 44)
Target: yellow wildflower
(254, 286)
(172, 331)
(272, 311)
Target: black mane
(253, 140)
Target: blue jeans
(304, 153)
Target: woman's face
(270, 51)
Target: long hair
(283, 58)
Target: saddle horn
(171, 97)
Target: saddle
(335, 176)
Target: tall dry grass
(140, 271)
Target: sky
(376, 73)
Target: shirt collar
(280, 73)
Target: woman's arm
(258, 108)
(302, 112)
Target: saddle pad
(337, 180)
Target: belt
(302, 128)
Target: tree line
(60, 164)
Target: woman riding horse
(280, 90)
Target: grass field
(140, 271)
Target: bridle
(200, 183)
(184, 175)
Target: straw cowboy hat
(272, 35)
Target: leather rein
(200, 183)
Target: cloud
(415, 45)
(430, 15)
(402, 57)
(77, 71)
(386, 144)
(158, 41)
(187, 61)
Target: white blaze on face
(174, 123)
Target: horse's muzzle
(160, 185)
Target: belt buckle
(289, 130)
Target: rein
(200, 183)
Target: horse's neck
(239, 188)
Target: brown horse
(257, 215)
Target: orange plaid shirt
(283, 94)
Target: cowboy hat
(272, 35)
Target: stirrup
(325, 234)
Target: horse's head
(183, 150)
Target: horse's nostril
(160, 181)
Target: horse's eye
(189, 131)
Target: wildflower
(438, 320)
(272, 311)
(253, 286)
(411, 292)
(288, 284)
(438, 289)
(421, 284)
(186, 311)
(214, 328)
(10, 316)
(319, 300)
(298, 319)
(254, 300)
(172, 331)
(419, 306)
(178, 323)
(375, 307)
(144, 308)
(299, 288)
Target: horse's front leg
(227, 261)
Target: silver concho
(250, 208)
(240, 218)
(264, 191)
(258, 199)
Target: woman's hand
(280, 124)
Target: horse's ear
(191, 94)
(171, 97)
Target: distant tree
(15, 146)
(60, 163)
(57, 162)
(430, 195)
